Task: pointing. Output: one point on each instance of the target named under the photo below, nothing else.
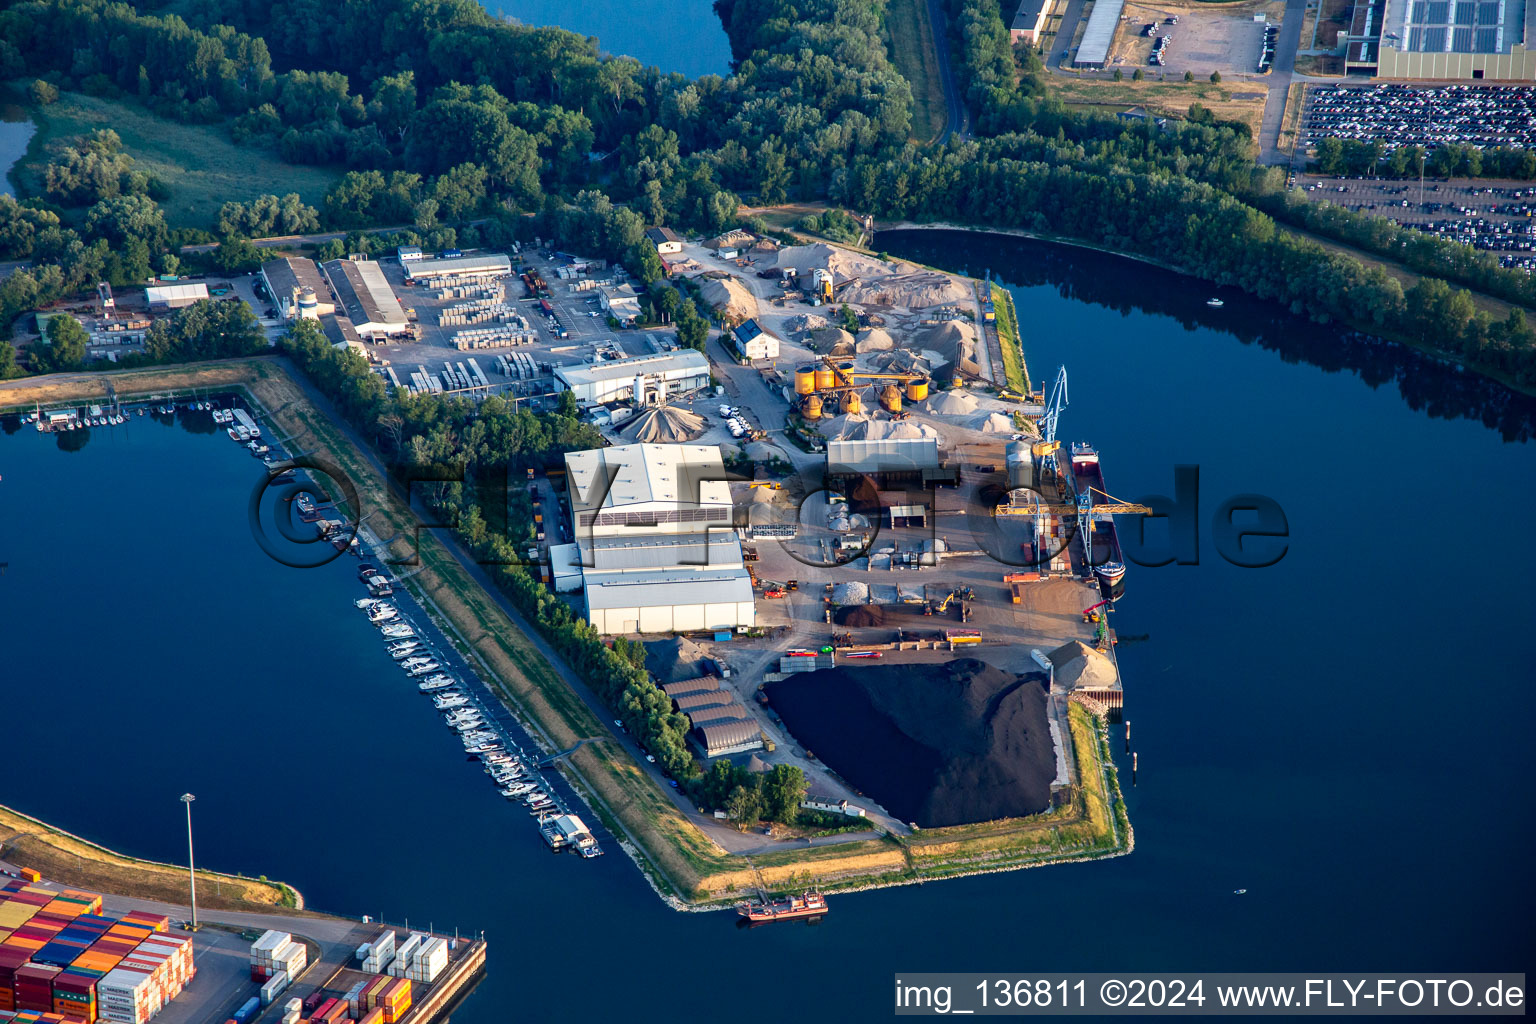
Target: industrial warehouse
(654, 540)
(645, 380)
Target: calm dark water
(16, 130)
(673, 35)
(1341, 734)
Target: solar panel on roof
(1461, 39)
(1415, 37)
(1434, 39)
(1464, 11)
(1488, 14)
(1438, 9)
(1486, 41)
(1419, 14)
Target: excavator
(1101, 624)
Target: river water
(16, 130)
(673, 35)
(1340, 733)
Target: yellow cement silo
(891, 398)
(917, 390)
(824, 377)
(805, 379)
(852, 403)
(812, 407)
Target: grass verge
(1242, 102)
(63, 857)
(909, 39)
(201, 166)
(1009, 339)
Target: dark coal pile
(676, 658)
(934, 744)
(859, 615)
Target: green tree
(42, 93)
(742, 806)
(849, 318)
(1118, 74)
(1216, 77)
(1138, 75)
(1189, 76)
(8, 367)
(66, 344)
(692, 329)
(783, 790)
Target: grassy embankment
(909, 40)
(62, 857)
(679, 857)
(201, 166)
(1009, 338)
(1229, 101)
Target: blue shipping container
(248, 1011)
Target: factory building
(889, 462)
(644, 380)
(655, 548)
(1099, 35)
(1029, 21)
(725, 738)
(665, 240)
(753, 342)
(1466, 40)
(174, 296)
(621, 302)
(365, 297)
(488, 266)
(297, 288)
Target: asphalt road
(1063, 40)
(1280, 79)
(957, 122)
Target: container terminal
(75, 957)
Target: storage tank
(917, 390)
(812, 407)
(891, 398)
(825, 378)
(309, 304)
(1020, 462)
(852, 403)
(805, 379)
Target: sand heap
(729, 298)
(859, 427)
(762, 494)
(829, 340)
(667, 425)
(952, 343)
(995, 423)
(762, 451)
(865, 280)
(736, 238)
(935, 744)
(952, 403)
(1079, 667)
(873, 339)
(676, 658)
(802, 322)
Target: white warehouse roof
(683, 363)
(491, 263)
(668, 588)
(683, 476)
(175, 292)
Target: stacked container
(380, 952)
(429, 961)
(264, 953)
(146, 979)
(404, 955)
(292, 1011)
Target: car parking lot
(1483, 116)
(1175, 38)
(1495, 216)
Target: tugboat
(786, 908)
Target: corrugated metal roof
(492, 263)
(611, 554)
(1102, 23)
(677, 588)
(701, 684)
(887, 455)
(682, 363)
(288, 275)
(172, 292)
(728, 734)
(686, 475)
(706, 699)
(732, 712)
(362, 291)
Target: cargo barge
(786, 908)
(1101, 545)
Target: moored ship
(1101, 545)
(785, 908)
